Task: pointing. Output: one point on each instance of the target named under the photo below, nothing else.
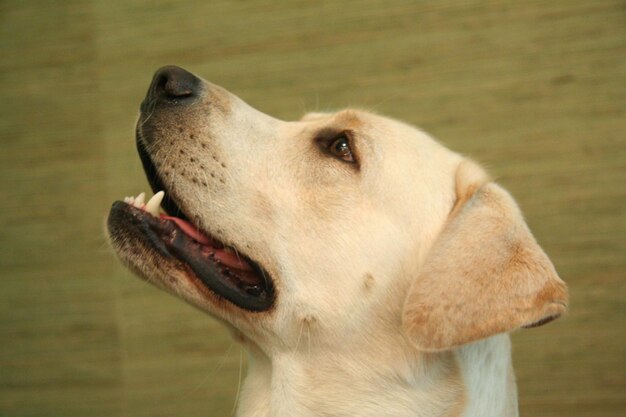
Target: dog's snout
(173, 84)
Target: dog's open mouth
(223, 269)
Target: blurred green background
(536, 90)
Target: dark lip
(130, 224)
(155, 181)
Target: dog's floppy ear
(485, 274)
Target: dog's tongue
(229, 259)
(190, 230)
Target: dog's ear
(485, 274)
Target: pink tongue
(190, 230)
(229, 259)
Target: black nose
(173, 84)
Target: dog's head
(348, 225)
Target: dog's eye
(340, 148)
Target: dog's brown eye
(340, 148)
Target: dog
(366, 269)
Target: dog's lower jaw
(449, 384)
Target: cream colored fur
(396, 282)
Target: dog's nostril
(173, 83)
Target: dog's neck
(489, 378)
(476, 380)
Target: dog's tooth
(139, 200)
(152, 206)
(229, 249)
(126, 199)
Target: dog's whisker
(303, 105)
(375, 106)
(218, 367)
(238, 382)
(308, 336)
(317, 100)
(265, 280)
(151, 108)
(300, 334)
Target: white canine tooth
(126, 199)
(139, 200)
(229, 249)
(152, 206)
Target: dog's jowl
(367, 269)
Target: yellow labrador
(367, 269)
